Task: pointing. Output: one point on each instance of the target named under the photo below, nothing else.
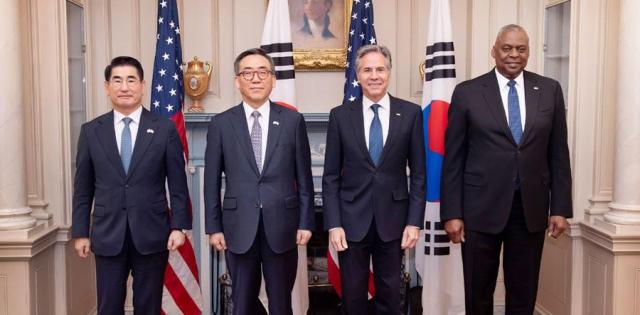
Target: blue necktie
(514, 112)
(375, 136)
(125, 144)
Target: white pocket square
(150, 131)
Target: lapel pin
(150, 131)
(535, 87)
(398, 114)
(277, 123)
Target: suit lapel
(357, 121)
(107, 136)
(531, 99)
(241, 129)
(491, 93)
(395, 121)
(143, 139)
(275, 120)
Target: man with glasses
(267, 209)
(125, 158)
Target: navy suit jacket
(282, 194)
(355, 191)
(482, 160)
(139, 198)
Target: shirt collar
(135, 116)
(384, 102)
(502, 80)
(263, 109)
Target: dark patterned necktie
(375, 136)
(515, 124)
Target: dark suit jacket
(138, 199)
(482, 160)
(282, 193)
(355, 191)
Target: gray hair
(367, 49)
(509, 28)
(253, 51)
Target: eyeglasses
(117, 82)
(249, 75)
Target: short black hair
(123, 61)
(249, 52)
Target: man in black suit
(263, 150)
(124, 159)
(506, 175)
(369, 210)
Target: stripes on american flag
(181, 292)
(361, 32)
(438, 261)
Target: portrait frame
(332, 58)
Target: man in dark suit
(124, 159)
(506, 175)
(370, 209)
(267, 210)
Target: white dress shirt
(118, 125)
(504, 94)
(384, 111)
(263, 120)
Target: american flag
(181, 292)
(438, 261)
(361, 32)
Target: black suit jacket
(282, 193)
(139, 198)
(482, 160)
(355, 191)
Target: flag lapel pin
(150, 131)
(276, 123)
(398, 114)
(535, 88)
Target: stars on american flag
(361, 33)
(167, 94)
(167, 99)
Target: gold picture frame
(321, 54)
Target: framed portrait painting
(319, 31)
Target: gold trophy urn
(196, 82)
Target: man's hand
(338, 239)
(303, 236)
(455, 230)
(410, 236)
(176, 239)
(82, 245)
(217, 241)
(557, 225)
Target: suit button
(257, 205)
(126, 186)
